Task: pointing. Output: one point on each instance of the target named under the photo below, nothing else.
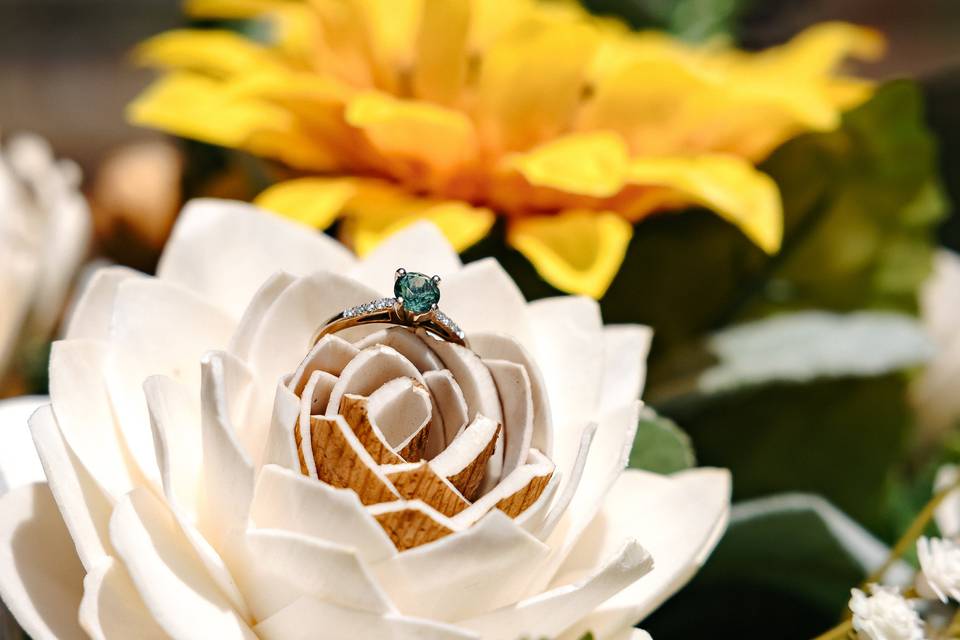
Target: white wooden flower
(209, 475)
(884, 614)
(45, 230)
(940, 568)
(934, 394)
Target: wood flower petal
(411, 523)
(464, 462)
(402, 409)
(418, 481)
(342, 461)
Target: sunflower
(570, 126)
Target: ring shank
(389, 316)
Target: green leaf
(793, 553)
(805, 346)
(838, 437)
(691, 20)
(860, 206)
(660, 445)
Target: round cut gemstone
(419, 291)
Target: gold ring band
(391, 311)
(417, 311)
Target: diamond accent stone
(376, 305)
(448, 323)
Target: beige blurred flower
(44, 236)
(209, 475)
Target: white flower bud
(940, 566)
(884, 615)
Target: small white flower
(45, 230)
(937, 406)
(884, 615)
(940, 564)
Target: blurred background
(66, 74)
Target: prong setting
(399, 273)
(436, 279)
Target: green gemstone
(419, 292)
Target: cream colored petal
(548, 614)
(62, 253)
(407, 344)
(251, 245)
(516, 397)
(281, 448)
(569, 347)
(288, 501)
(90, 316)
(679, 518)
(482, 297)
(499, 347)
(19, 464)
(41, 578)
(85, 507)
(947, 514)
(608, 456)
(175, 587)
(451, 405)
(284, 566)
(371, 369)
(569, 487)
(625, 349)
(331, 354)
(175, 419)
(157, 328)
(464, 574)
(418, 247)
(473, 377)
(228, 475)
(85, 415)
(300, 621)
(112, 609)
(284, 335)
(401, 408)
(250, 321)
(940, 298)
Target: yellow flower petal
(531, 81)
(575, 251)
(238, 9)
(195, 106)
(441, 65)
(198, 107)
(728, 185)
(441, 137)
(313, 201)
(379, 210)
(590, 164)
(214, 52)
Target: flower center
(418, 291)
